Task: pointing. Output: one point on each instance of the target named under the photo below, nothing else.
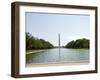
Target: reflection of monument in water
(59, 44)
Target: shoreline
(41, 50)
(81, 62)
(35, 51)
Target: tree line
(35, 43)
(79, 43)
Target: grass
(35, 51)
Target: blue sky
(47, 26)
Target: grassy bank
(35, 51)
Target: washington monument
(59, 44)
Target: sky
(47, 26)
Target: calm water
(52, 55)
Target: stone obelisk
(59, 44)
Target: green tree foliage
(79, 43)
(35, 43)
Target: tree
(35, 43)
(79, 43)
(29, 41)
(70, 44)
